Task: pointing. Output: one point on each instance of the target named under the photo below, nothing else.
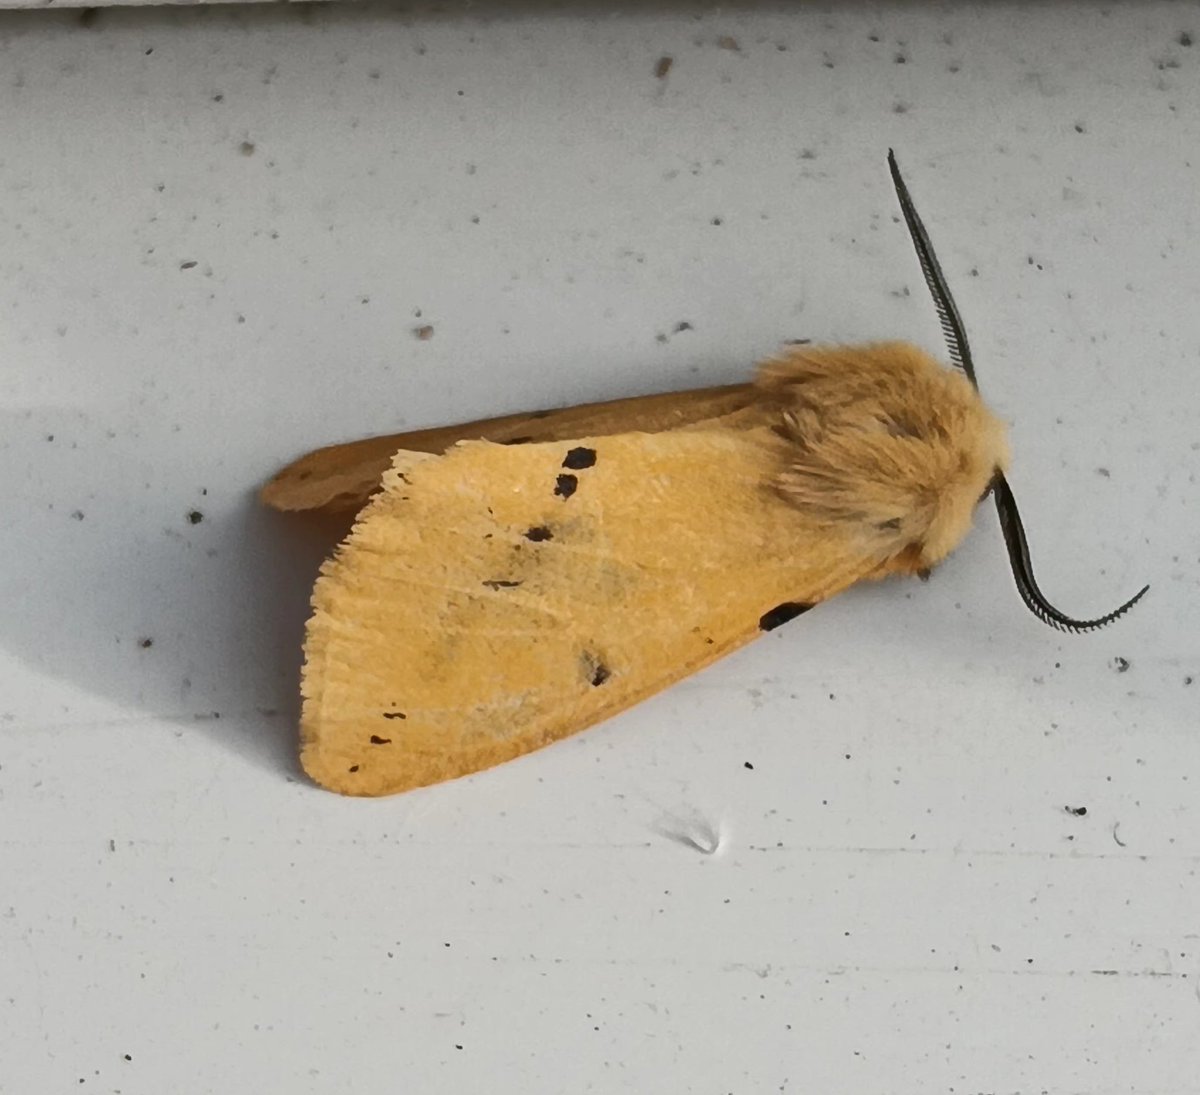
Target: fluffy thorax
(886, 444)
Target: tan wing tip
(340, 775)
(348, 772)
(338, 478)
(355, 772)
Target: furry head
(886, 441)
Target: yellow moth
(510, 582)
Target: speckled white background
(901, 901)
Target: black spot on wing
(539, 534)
(580, 458)
(394, 715)
(566, 485)
(594, 669)
(780, 614)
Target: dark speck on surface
(246, 148)
(500, 583)
(1121, 665)
(780, 615)
(747, 764)
(377, 740)
(352, 768)
(145, 644)
(565, 485)
(579, 458)
(682, 326)
(394, 715)
(195, 517)
(189, 264)
(662, 67)
(1184, 39)
(539, 534)
(717, 221)
(1077, 811)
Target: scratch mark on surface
(693, 831)
(1135, 973)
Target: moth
(512, 581)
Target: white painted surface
(901, 901)
(81, 5)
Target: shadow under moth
(510, 582)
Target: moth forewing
(499, 598)
(340, 478)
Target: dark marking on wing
(539, 534)
(594, 669)
(565, 485)
(780, 614)
(580, 458)
(394, 715)
(352, 768)
(377, 740)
